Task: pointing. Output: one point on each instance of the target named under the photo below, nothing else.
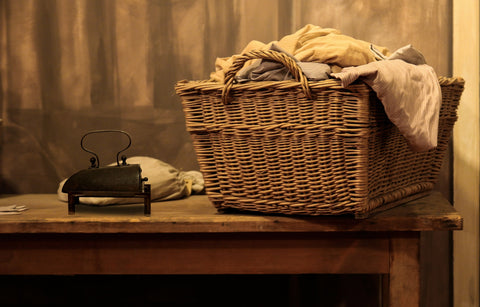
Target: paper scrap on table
(12, 209)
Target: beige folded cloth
(311, 44)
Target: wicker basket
(307, 148)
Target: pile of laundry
(407, 87)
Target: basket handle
(266, 55)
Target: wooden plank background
(466, 62)
(68, 67)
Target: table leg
(401, 287)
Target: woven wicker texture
(307, 148)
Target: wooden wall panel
(425, 24)
(466, 256)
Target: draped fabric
(79, 54)
(71, 66)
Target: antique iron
(121, 180)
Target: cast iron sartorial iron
(121, 180)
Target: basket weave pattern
(269, 148)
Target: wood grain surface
(196, 214)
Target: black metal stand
(73, 198)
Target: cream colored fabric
(409, 54)
(166, 183)
(311, 44)
(410, 94)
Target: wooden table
(190, 237)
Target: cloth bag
(166, 183)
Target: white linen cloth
(411, 96)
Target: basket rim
(209, 85)
(335, 84)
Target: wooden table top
(196, 214)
